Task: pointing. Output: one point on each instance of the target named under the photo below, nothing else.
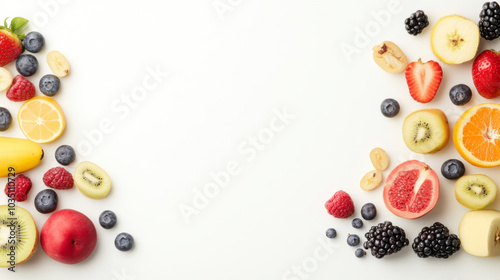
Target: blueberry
(26, 65)
(49, 85)
(460, 94)
(453, 169)
(353, 240)
(124, 241)
(331, 233)
(33, 42)
(5, 119)
(357, 223)
(65, 155)
(389, 107)
(360, 253)
(107, 219)
(46, 201)
(368, 211)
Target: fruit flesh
(92, 180)
(455, 39)
(476, 135)
(475, 191)
(41, 119)
(479, 232)
(411, 190)
(25, 236)
(426, 131)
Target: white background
(230, 69)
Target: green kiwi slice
(92, 180)
(426, 131)
(475, 191)
(18, 235)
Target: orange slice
(476, 135)
(41, 119)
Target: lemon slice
(41, 119)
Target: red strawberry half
(423, 79)
(11, 39)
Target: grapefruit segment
(411, 190)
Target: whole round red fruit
(68, 236)
(486, 73)
(411, 190)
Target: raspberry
(19, 191)
(21, 89)
(58, 178)
(340, 205)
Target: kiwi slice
(426, 131)
(92, 180)
(18, 235)
(475, 191)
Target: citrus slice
(41, 119)
(476, 135)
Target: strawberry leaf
(5, 23)
(17, 24)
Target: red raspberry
(58, 178)
(19, 191)
(21, 89)
(340, 205)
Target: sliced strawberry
(423, 79)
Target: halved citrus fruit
(41, 119)
(476, 135)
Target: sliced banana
(58, 63)
(5, 79)
(389, 57)
(379, 159)
(371, 180)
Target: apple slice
(455, 39)
(479, 233)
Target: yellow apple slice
(455, 39)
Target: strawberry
(486, 74)
(340, 205)
(11, 39)
(423, 79)
(21, 89)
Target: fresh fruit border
(411, 190)
(67, 236)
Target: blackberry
(385, 239)
(489, 21)
(436, 241)
(416, 22)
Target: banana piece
(389, 57)
(18, 155)
(58, 63)
(5, 79)
(371, 180)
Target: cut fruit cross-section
(476, 135)
(41, 119)
(411, 190)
